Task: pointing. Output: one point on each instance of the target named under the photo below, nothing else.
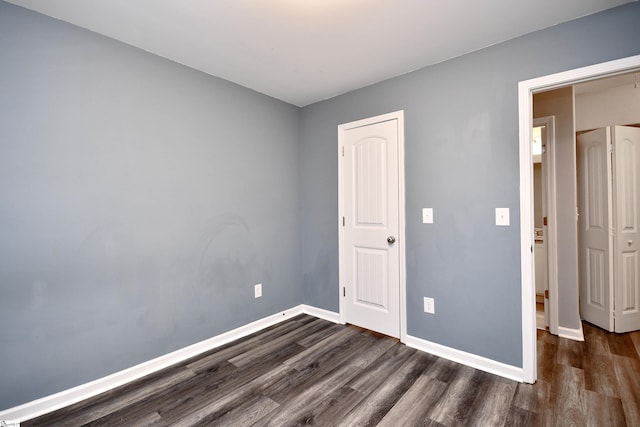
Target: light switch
(502, 216)
(427, 215)
(429, 305)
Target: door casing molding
(526, 89)
(399, 116)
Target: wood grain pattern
(415, 403)
(308, 371)
(628, 375)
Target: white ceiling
(303, 51)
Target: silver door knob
(391, 240)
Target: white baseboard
(472, 360)
(572, 334)
(321, 313)
(12, 417)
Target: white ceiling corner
(303, 51)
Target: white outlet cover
(427, 215)
(502, 216)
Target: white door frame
(551, 236)
(526, 89)
(399, 116)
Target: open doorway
(608, 147)
(527, 89)
(581, 107)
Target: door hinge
(546, 293)
(342, 151)
(544, 221)
(343, 221)
(344, 291)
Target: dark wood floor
(308, 371)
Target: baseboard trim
(572, 334)
(12, 417)
(321, 313)
(472, 360)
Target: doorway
(371, 224)
(609, 227)
(526, 90)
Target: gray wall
(461, 131)
(559, 103)
(140, 201)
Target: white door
(370, 257)
(594, 242)
(627, 222)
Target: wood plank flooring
(307, 371)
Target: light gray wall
(140, 201)
(461, 131)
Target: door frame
(399, 116)
(551, 236)
(526, 89)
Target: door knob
(391, 239)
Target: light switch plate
(502, 216)
(427, 215)
(257, 290)
(429, 305)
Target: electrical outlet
(257, 290)
(429, 305)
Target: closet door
(595, 240)
(626, 175)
